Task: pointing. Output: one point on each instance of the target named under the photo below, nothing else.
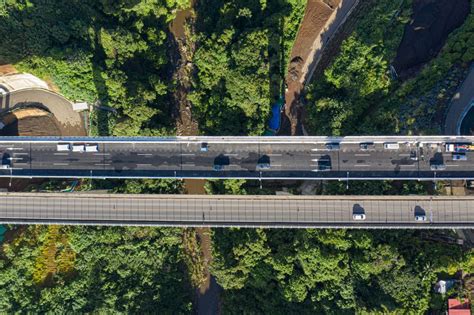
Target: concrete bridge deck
(238, 211)
(260, 158)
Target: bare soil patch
(317, 14)
(7, 69)
(30, 122)
(195, 186)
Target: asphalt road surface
(243, 211)
(460, 104)
(238, 157)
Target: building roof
(459, 307)
(21, 81)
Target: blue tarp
(276, 116)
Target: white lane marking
(143, 165)
(362, 154)
(14, 149)
(190, 154)
(101, 153)
(276, 165)
(273, 154)
(320, 160)
(362, 165)
(408, 165)
(101, 164)
(58, 164)
(61, 153)
(453, 165)
(20, 153)
(230, 154)
(145, 154)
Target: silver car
(358, 216)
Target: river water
(3, 229)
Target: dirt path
(321, 21)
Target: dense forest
(331, 271)
(111, 52)
(241, 60)
(117, 53)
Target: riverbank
(207, 294)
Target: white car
(78, 148)
(358, 216)
(420, 217)
(92, 148)
(64, 147)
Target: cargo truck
(459, 147)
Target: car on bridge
(438, 167)
(420, 217)
(391, 145)
(63, 147)
(364, 146)
(358, 213)
(333, 146)
(358, 216)
(218, 167)
(459, 157)
(263, 166)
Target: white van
(391, 145)
(64, 147)
(78, 148)
(92, 148)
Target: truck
(459, 147)
(391, 146)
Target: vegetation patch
(358, 95)
(242, 53)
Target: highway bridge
(237, 211)
(328, 158)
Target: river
(3, 229)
